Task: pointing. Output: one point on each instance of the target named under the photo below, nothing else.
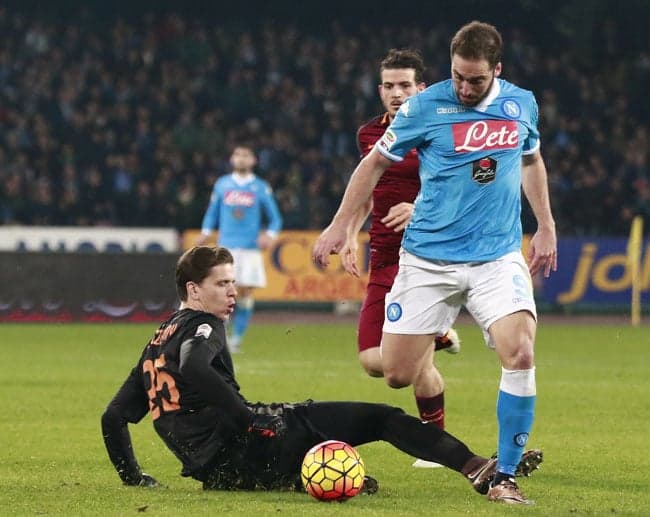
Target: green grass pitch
(593, 412)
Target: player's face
(242, 159)
(472, 79)
(216, 294)
(397, 84)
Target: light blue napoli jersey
(236, 209)
(469, 204)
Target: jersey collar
(494, 92)
(243, 179)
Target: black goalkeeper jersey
(159, 365)
(185, 379)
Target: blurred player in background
(185, 379)
(237, 206)
(478, 145)
(391, 206)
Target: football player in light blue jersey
(459, 169)
(478, 146)
(238, 204)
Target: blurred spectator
(110, 121)
(13, 204)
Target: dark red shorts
(371, 317)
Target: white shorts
(249, 267)
(427, 296)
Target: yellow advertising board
(293, 276)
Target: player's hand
(348, 256)
(202, 239)
(542, 252)
(329, 242)
(267, 426)
(398, 216)
(264, 240)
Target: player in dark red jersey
(185, 379)
(401, 74)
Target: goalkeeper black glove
(267, 426)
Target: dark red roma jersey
(399, 183)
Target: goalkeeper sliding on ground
(185, 379)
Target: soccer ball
(332, 471)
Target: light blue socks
(515, 414)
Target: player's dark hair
(404, 58)
(478, 40)
(243, 145)
(195, 264)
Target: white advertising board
(71, 239)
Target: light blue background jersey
(236, 208)
(469, 204)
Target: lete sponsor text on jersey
(485, 135)
(239, 198)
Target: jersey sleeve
(271, 210)
(365, 141)
(406, 131)
(532, 143)
(129, 405)
(211, 216)
(197, 352)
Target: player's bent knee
(373, 372)
(370, 361)
(399, 375)
(397, 379)
(524, 360)
(372, 368)
(518, 361)
(110, 416)
(521, 358)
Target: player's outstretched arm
(128, 405)
(542, 251)
(358, 191)
(348, 252)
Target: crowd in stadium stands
(129, 123)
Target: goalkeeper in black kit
(185, 379)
